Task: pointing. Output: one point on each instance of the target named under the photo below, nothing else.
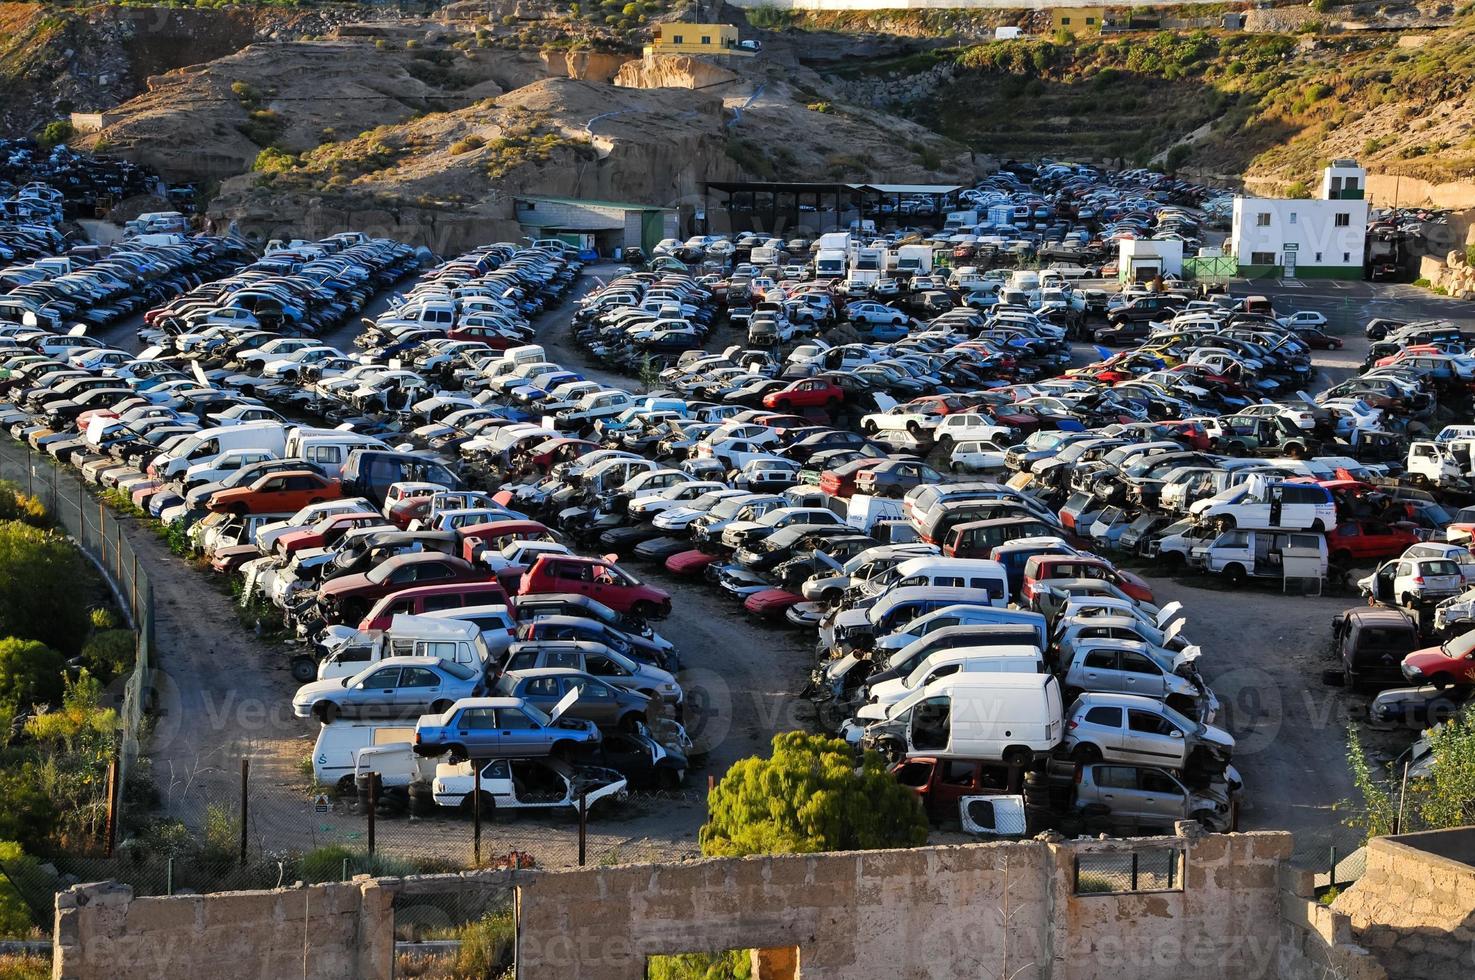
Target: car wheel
(1441, 682)
(240, 510)
(488, 804)
(325, 712)
(643, 610)
(1086, 753)
(632, 721)
(1020, 757)
(304, 670)
(1235, 574)
(1227, 522)
(457, 753)
(914, 430)
(869, 428)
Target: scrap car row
(449, 521)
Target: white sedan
(979, 456)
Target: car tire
(1235, 574)
(304, 670)
(240, 510)
(456, 754)
(1020, 757)
(1086, 753)
(326, 712)
(643, 610)
(488, 804)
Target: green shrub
(16, 920)
(43, 588)
(28, 815)
(30, 673)
(110, 653)
(466, 145)
(57, 131)
(17, 505)
(273, 161)
(1298, 191)
(103, 619)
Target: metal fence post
(1331, 875)
(373, 805)
(169, 876)
(583, 824)
(1134, 871)
(133, 595)
(112, 820)
(476, 815)
(245, 803)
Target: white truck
(833, 255)
(912, 260)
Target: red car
(350, 596)
(598, 578)
(1451, 664)
(326, 531)
(771, 603)
(494, 535)
(808, 393)
(687, 563)
(432, 598)
(840, 481)
(286, 492)
(1043, 567)
(1359, 542)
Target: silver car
(1132, 728)
(1134, 798)
(395, 687)
(1128, 667)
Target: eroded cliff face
(589, 66)
(672, 71)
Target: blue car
(503, 728)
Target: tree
(43, 589)
(1177, 156)
(810, 796)
(1442, 799)
(30, 673)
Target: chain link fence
(100, 535)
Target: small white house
(1314, 238)
(1142, 259)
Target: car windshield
(537, 714)
(1441, 566)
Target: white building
(1140, 259)
(1321, 237)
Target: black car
(645, 762)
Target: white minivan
(1007, 659)
(935, 571)
(333, 757)
(1007, 717)
(1270, 505)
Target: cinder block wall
(976, 910)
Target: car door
(576, 577)
(597, 700)
(1099, 670)
(477, 729)
(519, 735)
(1137, 673)
(1151, 738)
(419, 688)
(1159, 798)
(375, 695)
(1102, 726)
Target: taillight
(1418, 580)
(1080, 771)
(1071, 725)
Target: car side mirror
(1175, 733)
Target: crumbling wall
(1414, 906)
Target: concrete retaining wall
(972, 910)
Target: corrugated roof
(623, 206)
(910, 188)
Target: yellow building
(699, 39)
(1077, 20)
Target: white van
(939, 572)
(1009, 659)
(1263, 504)
(205, 445)
(333, 757)
(328, 449)
(1241, 554)
(453, 640)
(864, 511)
(1007, 717)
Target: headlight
(669, 687)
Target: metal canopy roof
(910, 188)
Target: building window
(1318, 257)
(678, 39)
(1262, 220)
(1090, 21)
(706, 39)
(1346, 257)
(1293, 217)
(1262, 258)
(1343, 219)
(1065, 22)
(1351, 184)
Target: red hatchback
(808, 393)
(598, 578)
(1354, 542)
(840, 481)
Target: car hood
(345, 584)
(313, 689)
(1217, 736)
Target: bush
(809, 796)
(57, 131)
(1298, 191)
(15, 914)
(466, 145)
(273, 161)
(326, 864)
(110, 653)
(103, 619)
(42, 588)
(30, 673)
(17, 505)
(28, 815)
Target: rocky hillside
(56, 60)
(1265, 107)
